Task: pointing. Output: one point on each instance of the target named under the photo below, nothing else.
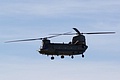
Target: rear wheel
(82, 56)
(62, 57)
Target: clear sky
(20, 19)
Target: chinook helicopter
(76, 47)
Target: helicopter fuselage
(62, 49)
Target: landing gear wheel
(72, 56)
(62, 57)
(52, 58)
(82, 56)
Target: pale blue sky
(20, 19)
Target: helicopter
(75, 47)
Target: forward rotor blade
(67, 33)
(99, 33)
(51, 36)
(31, 39)
(24, 40)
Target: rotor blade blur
(99, 33)
(24, 40)
(67, 33)
(31, 39)
(52, 36)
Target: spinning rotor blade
(31, 39)
(51, 36)
(85, 33)
(67, 33)
(99, 33)
(78, 32)
(24, 40)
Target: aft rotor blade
(84, 33)
(99, 33)
(78, 32)
(24, 40)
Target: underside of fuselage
(61, 52)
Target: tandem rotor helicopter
(76, 47)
